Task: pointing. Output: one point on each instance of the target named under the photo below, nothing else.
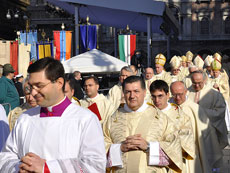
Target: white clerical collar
(160, 74)
(149, 79)
(218, 77)
(141, 109)
(167, 108)
(50, 107)
(94, 97)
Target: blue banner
(32, 39)
(88, 35)
(92, 37)
(22, 37)
(62, 45)
(83, 43)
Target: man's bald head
(192, 68)
(149, 73)
(178, 91)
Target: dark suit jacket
(78, 90)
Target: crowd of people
(150, 121)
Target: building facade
(204, 30)
(204, 27)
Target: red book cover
(95, 110)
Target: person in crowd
(57, 135)
(184, 61)
(184, 68)
(189, 56)
(203, 131)
(187, 80)
(160, 73)
(104, 106)
(139, 60)
(159, 90)
(199, 62)
(1, 70)
(149, 73)
(78, 93)
(134, 69)
(218, 57)
(69, 89)
(213, 104)
(18, 84)
(139, 137)
(115, 94)
(218, 80)
(30, 103)
(207, 62)
(4, 127)
(8, 96)
(175, 65)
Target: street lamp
(62, 26)
(8, 16)
(16, 14)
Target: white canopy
(93, 61)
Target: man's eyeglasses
(37, 87)
(177, 95)
(197, 83)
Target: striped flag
(44, 49)
(127, 47)
(62, 42)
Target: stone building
(204, 28)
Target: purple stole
(56, 110)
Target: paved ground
(226, 168)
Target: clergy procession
(152, 120)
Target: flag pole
(87, 35)
(62, 27)
(43, 42)
(76, 29)
(149, 40)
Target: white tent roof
(93, 61)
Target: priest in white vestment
(218, 57)
(115, 94)
(175, 74)
(218, 80)
(104, 106)
(214, 106)
(207, 62)
(160, 73)
(205, 136)
(57, 136)
(149, 73)
(198, 62)
(160, 95)
(138, 137)
(187, 80)
(184, 68)
(189, 56)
